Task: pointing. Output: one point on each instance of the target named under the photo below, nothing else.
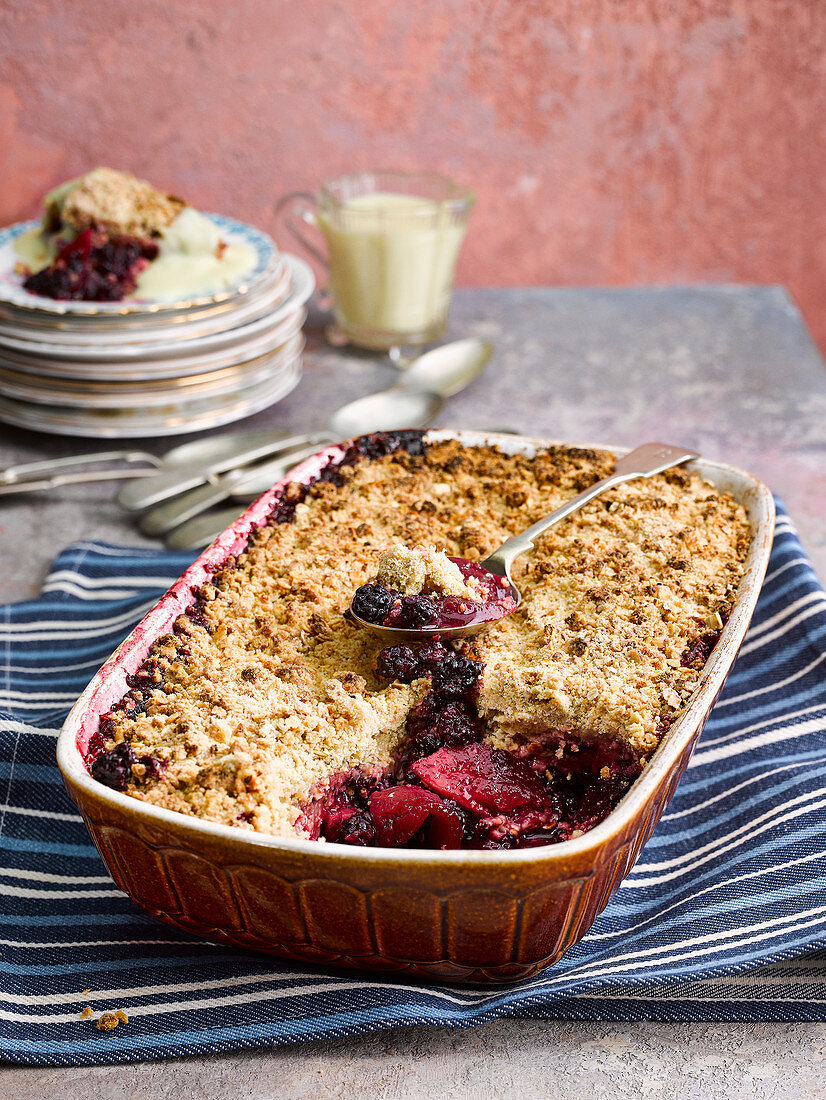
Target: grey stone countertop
(729, 371)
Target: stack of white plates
(152, 367)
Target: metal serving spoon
(193, 463)
(644, 461)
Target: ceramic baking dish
(460, 915)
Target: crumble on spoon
(422, 588)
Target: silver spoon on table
(185, 465)
(413, 402)
(643, 461)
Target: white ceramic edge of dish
(109, 684)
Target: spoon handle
(56, 481)
(185, 506)
(49, 466)
(179, 478)
(644, 461)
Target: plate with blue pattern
(266, 264)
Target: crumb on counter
(110, 1020)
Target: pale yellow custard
(192, 258)
(392, 261)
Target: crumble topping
(265, 690)
(116, 201)
(411, 570)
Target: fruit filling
(447, 788)
(425, 589)
(94, 267)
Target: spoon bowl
(385, 411)
(448, 368)
(417, 398)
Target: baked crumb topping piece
(412, 570)
(265, 698)
(108, 1021)
(116, 201)
(112, 220)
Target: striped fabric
(721, 918)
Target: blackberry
(417, 611)
(424, 745)
(380, 444)
(432, 654)
(454, 726)
(372, 602)
(359, 830)
(154, 767)
(114, 768)
(399, 662)
(456, 675)
(424, 715)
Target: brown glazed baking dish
(476, 916)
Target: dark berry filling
(413, 612)
(115, 768)
(372, 602)
(448, 789)
(405, 813)
(435, 612)
(94, 267)
(696, 653)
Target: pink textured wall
(610, 141)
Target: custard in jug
(392, 262)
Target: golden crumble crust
(120, 202)
(278, 690)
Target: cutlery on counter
(189, 463)
(24, 477)
(199, 461)
(244, 483)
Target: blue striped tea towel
(713, 923)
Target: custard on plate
(108, 235)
